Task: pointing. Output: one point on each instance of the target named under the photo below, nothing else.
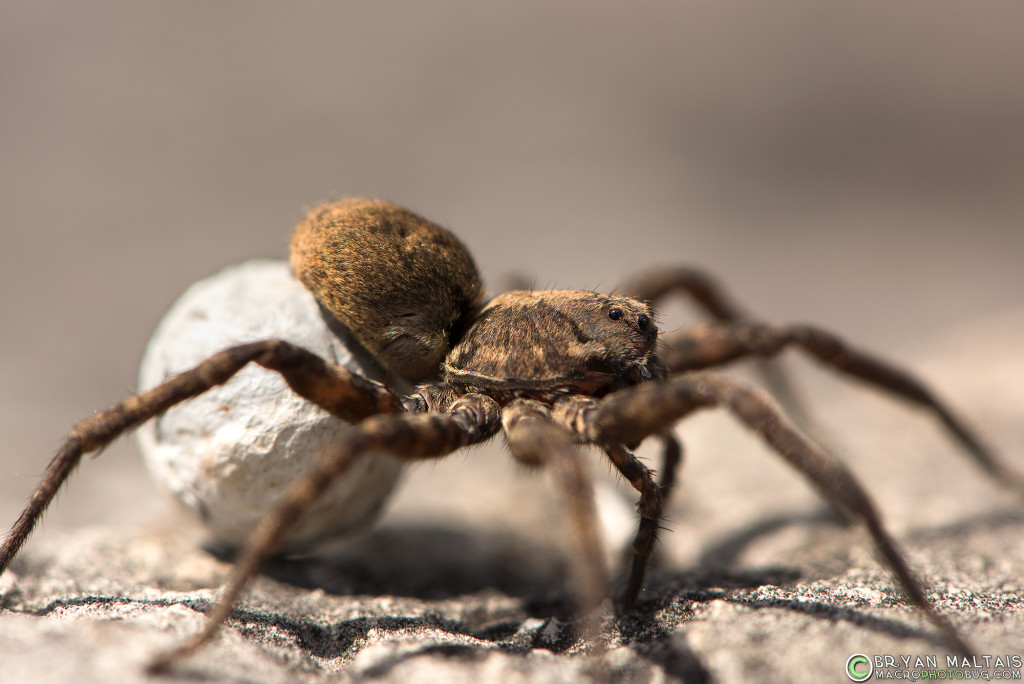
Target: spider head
(556, 341)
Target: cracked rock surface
(463, 580)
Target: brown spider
(550, 369)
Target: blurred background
(860, 166)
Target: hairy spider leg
(471, 418)
(633, 413)
(535, 440)
(328, 385)
(672, 460)
(711, 345)
(654, 496)
(651, 508)
(710, 296)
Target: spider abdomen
(401, 284)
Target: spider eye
(615, 314)
(643, 321)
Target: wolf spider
(550, 369)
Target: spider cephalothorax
(571, 342)
(549, 369)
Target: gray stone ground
(463, 581)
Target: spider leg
(573, 412)
(711, 345)
(631, 414)
(671, 459)
(471, 419)
(656, 284)
(535, 440)
(332, 387)
(651, 508)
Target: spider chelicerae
(551, 370)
